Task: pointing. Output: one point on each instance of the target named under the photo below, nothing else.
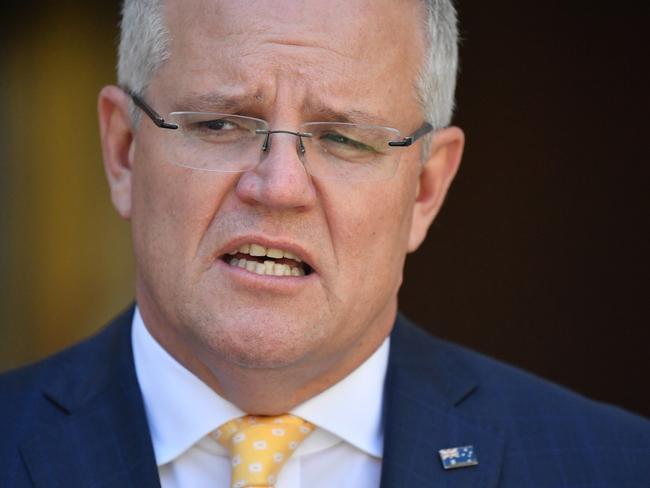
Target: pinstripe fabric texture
(76, 420)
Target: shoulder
(546, 426)
(40, 395)
(24, 384)
(505, 389)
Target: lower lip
(286, 284)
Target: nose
(279, 181)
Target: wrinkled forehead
(369, 49)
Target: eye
(217, 125)
(213, 129)
(346, 142)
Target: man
(277, 161)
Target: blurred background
(539, 257)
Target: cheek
(173, 208)
(373, 236)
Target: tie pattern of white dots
(259, 446)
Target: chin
(257, 343)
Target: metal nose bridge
(267, 139)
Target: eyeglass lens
(233, 143)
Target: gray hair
(436, 82)
(144, 47)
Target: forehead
(324, 52)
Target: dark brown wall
(539, 256)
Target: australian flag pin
(458, 457)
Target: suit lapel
(426, 385)
(96, 433)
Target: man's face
(288, 63)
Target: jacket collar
(93, 390)
(426, 385)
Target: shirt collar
(181, 409)
(352, 408)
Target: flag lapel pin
(458, 457)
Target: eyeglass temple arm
(407, 141)
(151, 113)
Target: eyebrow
(215, 102)
(350, 116)
(318, 111)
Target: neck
(268, 391)
(277, 391)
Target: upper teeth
(272, 252)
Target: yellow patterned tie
(259, 447)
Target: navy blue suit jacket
(77, 420)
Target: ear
(435, 177)
(117, 146)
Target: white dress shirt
(344, 451)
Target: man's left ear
(436, 175)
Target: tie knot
(259, 446)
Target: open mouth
(267, 261)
